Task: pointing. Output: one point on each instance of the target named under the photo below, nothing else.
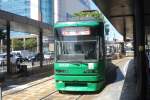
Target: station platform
(120, 86)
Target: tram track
(78, 97)
(45, 97)
(17, 89)
(62, 96)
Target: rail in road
(44, 89)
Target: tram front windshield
(76, 44)
(76, 48)
(82, 50)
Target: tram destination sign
(72, 31)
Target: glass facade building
(46, 11)
(19, 7)
(35, 9)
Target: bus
(79, 56)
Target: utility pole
(140, 58)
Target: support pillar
(134, 38)
(124, 36)
(124, 29)
(140, 58)
(8, 46)
(41, 47)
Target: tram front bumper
(79, 83)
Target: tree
(2, 38)
(2, 34)
(31, 43)
(91, 13)
(17, 44)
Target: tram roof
(77, 23)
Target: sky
(15, 34)
(113, 33)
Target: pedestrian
(32, 61)
(18, 65)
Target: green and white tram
(80, 55)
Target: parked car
(15, 58)
(24, 54)
(49, 55)
(35, 57)
(3, 59)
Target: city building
(47, 11)
(65, 9)
(36, 9)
